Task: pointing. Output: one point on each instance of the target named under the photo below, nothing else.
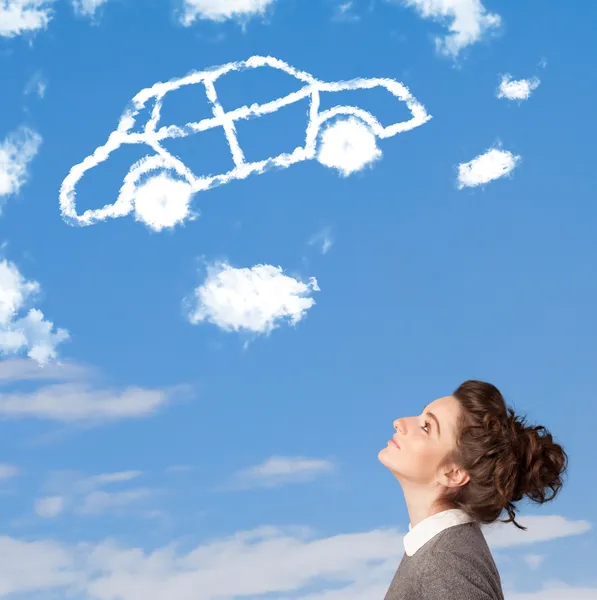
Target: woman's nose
(398, 426)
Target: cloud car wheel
(160, 196)
(347, 144)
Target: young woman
(461, 463)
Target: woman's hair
(504, 458)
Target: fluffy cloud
(31, 332)
(267, 560)
(16, 152)
(49, 507)
(348, 146)
(87, 8)
(519, 89)
(280, 470)
(222, 10)
(254, 300)
(78, 400)
(468, 21)
(486, 167)
(22, 16)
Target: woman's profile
(465, 460)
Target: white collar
(423, 531)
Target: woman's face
(420, 443)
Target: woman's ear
(452, 476)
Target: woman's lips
(394, 443)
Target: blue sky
(235, 455)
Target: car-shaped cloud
(159, 160)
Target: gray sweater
(456, 564)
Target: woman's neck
(421, 504)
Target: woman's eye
(426, 425)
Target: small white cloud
(539, 529)
(87, 496)
(8, 471)
(255, 299)
(100, 501)
(519, 89)
(222, 10)
(534, 560)
(468, 21)
(348, 146)
(87, 8)
(323, 239)
(486, 167)
(280, 470)
(49, 507)
(30, 333)
(37, 84)
(16, 152)
(70, 402)
(18, 17)
(163, 202)
(76, 398)
(344, 12)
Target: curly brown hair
(504, 457)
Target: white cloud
(348, 146)
(87, 496)
(468, 21)
(8, 471)
(280, 470)
(323, 239)
(23, 369)
(519, 89)
(267, 560)
(22, 16)
(16, 152)
(163, 202)
(539, 529)
(74, 399)
(70, 402)
(255, 299)
(37, 84)
(344, 12)
(221, 10)
(49, 507)
(486, 167)
(98, 502)
(30, 333)
(534, 560)
(87, 8)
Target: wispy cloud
(88, 496)
(37, 84)
(272, 560)
(344, 12)
(31, 332)
(323, 239)
(76, 399)
(8, 471)
(468, 21)
(280, 470)
(534, 560)
(88, 8)
(16, 152)
(18, 17)
(222, 10)
(255, 299)
(539, 529)
(486, 167)
(520, 89)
